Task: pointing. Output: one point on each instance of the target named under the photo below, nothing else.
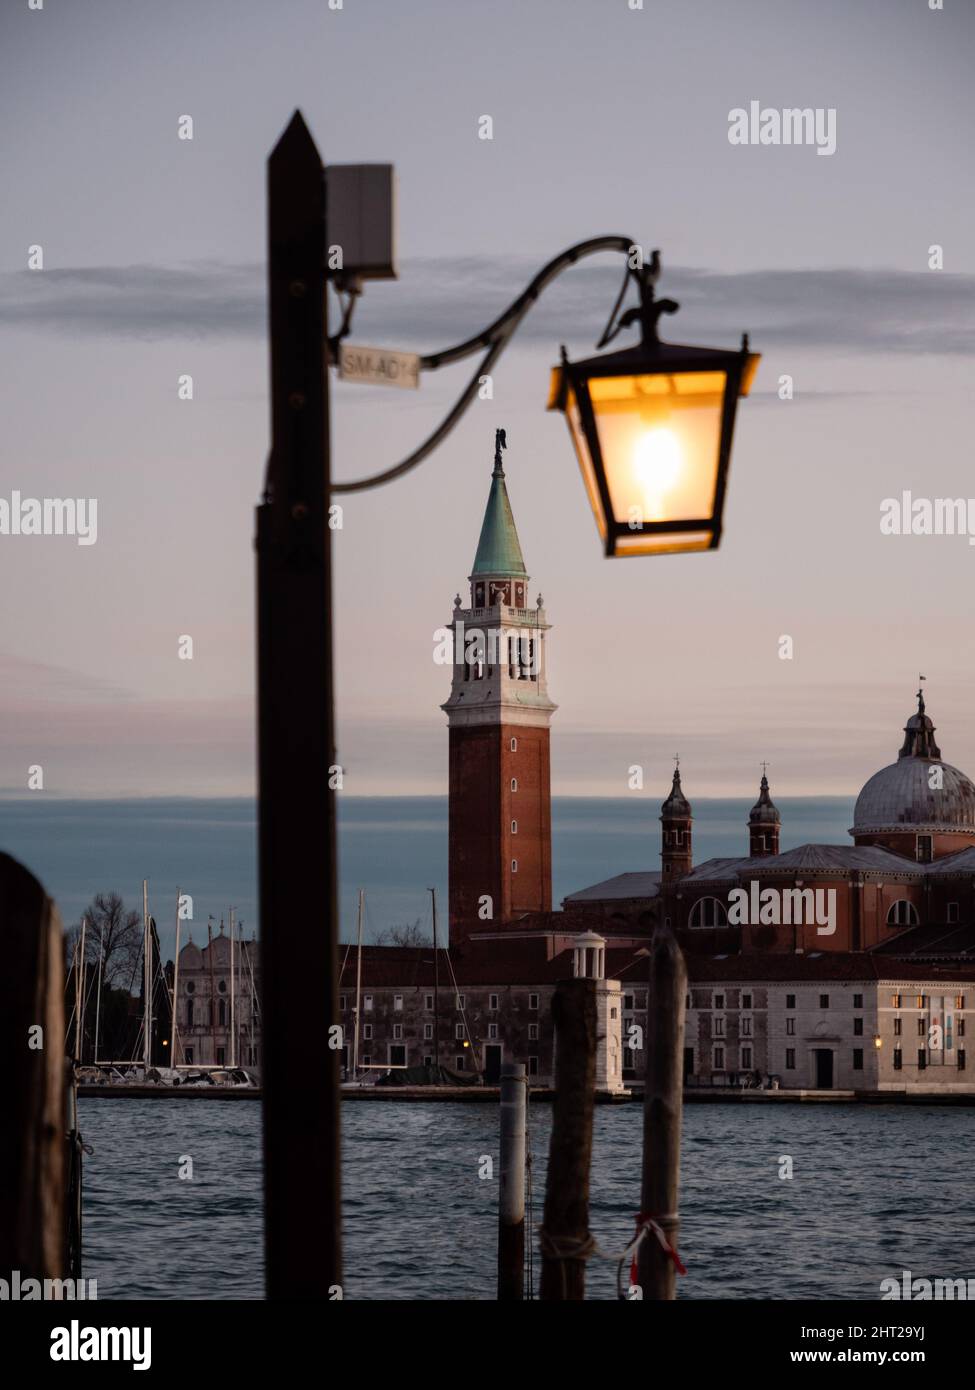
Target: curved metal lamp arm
(495, 338)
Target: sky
(606, 119)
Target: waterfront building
(826, 967)
(203, 1004)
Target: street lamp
(652, 428)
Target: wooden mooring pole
(511, 1204)
(33, 1176)
(662, 1107)
(565, 1238)
(297, 774)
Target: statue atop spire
(919, 739)
(500, 442)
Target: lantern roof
(498, 549)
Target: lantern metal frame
(651, 357)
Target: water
(393, 847)
(876, 1190)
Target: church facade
(824, 967)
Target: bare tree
(412, 934)
(115, 929)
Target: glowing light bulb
(657, 463)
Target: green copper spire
(498, 550)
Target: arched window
(514, 745)
(514, 827)
(708, 912)
(222, 1012)
(514, 866)
(902, 914)
(514, 784)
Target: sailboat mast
(233, 1034)
(436, 987)
(358, 992)
(145, 974)
(98, 999)
(174, 1059)
(79, 992)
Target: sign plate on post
(379, 366)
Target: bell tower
(498, 719)
(675, 845)
(763, 822)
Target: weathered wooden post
(32, 1155)
(565, 1238)
(511, 1204)
(662, 1108)
(296, 755)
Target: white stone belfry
(589, 963)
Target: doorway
(824, 1068)
(492, 1063)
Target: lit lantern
(652, 428)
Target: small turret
(764, 823)
(675, 818)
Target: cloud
(439, 302)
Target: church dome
(901, 796)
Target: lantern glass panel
(660, 438)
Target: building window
(898, 1059)
(188, 1053)
(924, 849)
(960, 1027)
(719, 1059)
(719, 1027)
(858, 1059)
(858, 1001)
(190, 987)
(514, 866)
(746, 1028)
(746, 1001)
(222, 1013)
(367, 1032)
(493, 1003)
(428, 1001)
(222, 986)
(921, 1028)
(514, 745)
(514, 827)
(343, 1003)
(708, 912)
(189, 1012)
(628, 1003)
(922, 1059)
(746, 1058)
(514, 784)
(824, 1001)
(897, 1027)
(790, 1001)
(459, 1062)
(790, 1059)
(533, 1066)
(952, 912)
(397, 1032)
(719, 1001)
(533, 1032)
(367, 1003)
(959, 1001)
(858, 1027)
(790, 1027)
(398, 1003)
(459, 1031)
(428, 1061)
(461, 1002)
(921, 1001)
(895, 1001)
(427, 1031)
(533, 1001)
(221, 1056)
(902, 914)
(961, 1059)
(492, 1031)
